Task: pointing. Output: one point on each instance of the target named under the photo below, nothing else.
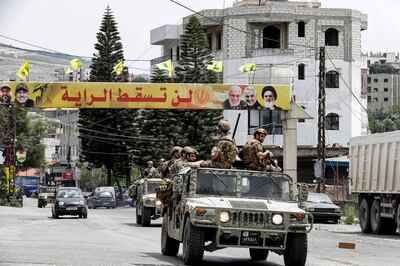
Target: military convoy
(240, 209)
(147, 206)
(45, 196)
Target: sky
(70, 26)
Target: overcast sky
(70, 26)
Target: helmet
(184, 150)
(150, 163)
(191, 150)
(224, 125)
(260, 131)
(175, 149)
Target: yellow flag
(248, 68)
(215, 66)
(23, 71)
(167, 65)
(118, 68)
(75, 64)
(69, 71)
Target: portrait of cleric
(269, 96)
(21, 96)
(234, 101)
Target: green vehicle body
(239, 209)
(148, 207)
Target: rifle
(236, 125)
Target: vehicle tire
(169, 246)
(258, 254)
(108, 208)
(138, 217)
(364, 211)
(296, 249)
(193, 244)
(376, 219)
(89, 205)
(39, 204)
(146, 218)
(56, 216)
(80, 216)
(85, 215)
(94, 205)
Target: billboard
(145, 95)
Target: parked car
(102, 199)
(69, 201)
(321, 207)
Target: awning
(337, 161)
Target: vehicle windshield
(265, 186)
(319, 198)
(69, 193)
(105, 194)
(210, 182)
(151, 187)
(47, 190)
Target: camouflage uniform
(250, 158)
(132, 191)
(164, 192)
(228, 151)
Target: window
(332, 79)
(331, 37)
(332, 121)
(301, 29)
(301, 70)
(376, 90)
(369, 89)
(268, 119)
(376, 80)
(369, 99)
(386, 80)
(375, 99)
(385, 99)
(271, 37)
(382, 61)
(209, 38)
(386, 89)
(368, 62)
(369, 80)
(178, 52)
(219, 41)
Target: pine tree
(103, 131)
(158, 76)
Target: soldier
(151, 171)
(254, 156)
(160, 168)
(174, 153)
(132, 190)
(223, 155)
(179, 163)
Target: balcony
(165, 34)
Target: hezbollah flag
(248, 68)
(167, 65)
(215, 66)
(118, 68)
(75, 64)
(23, 71)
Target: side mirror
(303, 191)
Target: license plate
(72, 208)
(250, 238)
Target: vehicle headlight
(158, 203)
(224, 217)
(81, 202)
(311, 209)
(277, 219)
(45, 197)
(61, 203)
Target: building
(283, 39)
(383, 91)
(381, 58)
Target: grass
(350, 213)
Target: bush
(350, 213)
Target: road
(29, 236)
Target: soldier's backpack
(230, 150)
(164, 191)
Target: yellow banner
(10, 175)
(147, 95)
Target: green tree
(381, 121)
(181, 127)
(158, 76)
(381, 69)
(103, 141)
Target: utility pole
(321, 120)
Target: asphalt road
(29, 236)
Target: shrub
(350, 213)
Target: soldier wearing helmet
(175, 151)
(223, 155)
(175, 155)
(254, 156)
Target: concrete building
(283, 39)
(383, 91)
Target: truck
(375, 176)
(45, 195)
(148, 207)
(229, 208)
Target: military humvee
(45, 196)
(147, 206)
(236, 208)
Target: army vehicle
(148, 207)
(239, 209)
(45, 196)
